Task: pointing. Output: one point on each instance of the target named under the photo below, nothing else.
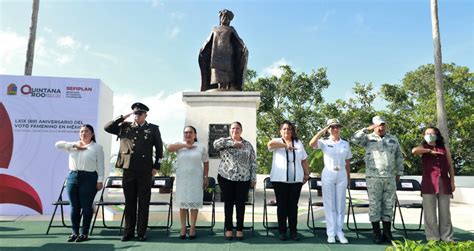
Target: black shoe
(239, 238)
(295, 237)
(72, 238)
(192, 237)
(376, 232)
(82, 238)
(182, 237)
(282, 237)
(229, 238)
(127, 237)
(142, 238)
(387, 232)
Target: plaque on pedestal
(216, 131)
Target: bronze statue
(223, 58)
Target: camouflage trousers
(381, 192)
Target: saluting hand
(372, 127)
(127, 115)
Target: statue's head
(225, 16)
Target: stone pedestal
(220, 109)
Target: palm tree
(31, 42)
(440, 104)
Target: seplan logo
(27, 90)
(11, 89)
(77, 91)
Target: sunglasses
(335, 126)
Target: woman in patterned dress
(236, 174)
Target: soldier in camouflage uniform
(383, 167)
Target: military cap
(333, 122)
(139, 107)
(378, 120)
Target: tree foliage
(292, 96)
(410, 105)
(413, 104)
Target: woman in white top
(86, 162)
(290, 170)
(334, 178)
(191, 177)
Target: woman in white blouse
(290, 170)
(334, 178)
(191, 177)
(86, 165)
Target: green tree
(354, 114)
(291, 96)
(413, 105)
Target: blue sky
(147, 50)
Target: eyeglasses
(139, 113)
(188, 132)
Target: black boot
(387, 231)
(376, 231)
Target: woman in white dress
(191, 177)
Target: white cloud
(274, 69)
(174, 32)
(360, 24)
(322, 25)
(156, 3)
(177, 15)
(327, 15)
(166, 111)
(64, 59)
(50, 51)
(67, 42)
(105, 56)
(48, 30)
(12, 51)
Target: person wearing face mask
(383, 168)
(137, 140)
(236, 174)
(437, 185)
(334, 177)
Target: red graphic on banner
(12, 189)
(6, 136)
(16, 191)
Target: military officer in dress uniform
(137, 140)
(383, 167)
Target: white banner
(35, 112)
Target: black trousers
(235, 193)
(136, 188)
(287, 197)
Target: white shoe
(331, 239)
(342, 239)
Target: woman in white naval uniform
(334, 178)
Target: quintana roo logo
(12, 189)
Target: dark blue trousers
(81, 188)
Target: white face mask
(430, 138)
